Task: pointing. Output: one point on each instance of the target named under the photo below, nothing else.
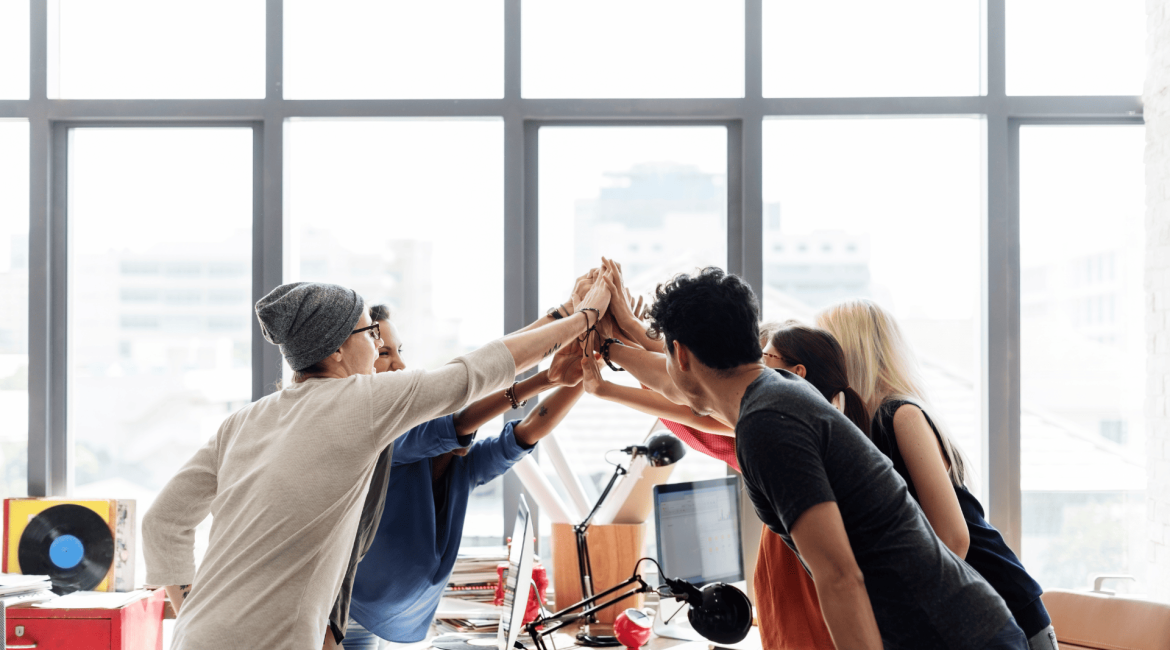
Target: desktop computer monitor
(697, 525)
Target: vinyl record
(69, 543)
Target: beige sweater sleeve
(402, 400)
(168, 528)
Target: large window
(160, 316)
(464, 160)
(1082, 254)
(13, 307)
(409, 214)
(886, 210)
(655, 200)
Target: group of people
(338, 501)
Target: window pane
(408, 213)
(1083, 351)
(160, 309)
(889, 210)
(860, 48)
(378, 49)
(655, 200)
(1076, 47)
(14, 32)
(144, 49)
(645, 48)
(14, 307)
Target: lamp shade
(663, 449)
(719, 612)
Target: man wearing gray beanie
(286, 476)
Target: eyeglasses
(774, 356)
(376, 331)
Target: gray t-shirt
(797, 451)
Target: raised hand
(564, 366)
(598, 297)
(581, 287)
(590, 375)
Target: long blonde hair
(882, 366)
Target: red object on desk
(137, 626)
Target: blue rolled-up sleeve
(492, 457)
(426, 440)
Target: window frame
(50, 120)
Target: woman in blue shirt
(431, 472)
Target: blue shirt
(399, 582)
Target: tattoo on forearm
(542, 412)
(186, 590)
(551, 351)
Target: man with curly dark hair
(881, 574)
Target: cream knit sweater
(284, 479)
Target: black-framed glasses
(376, 333)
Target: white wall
(1157, 117)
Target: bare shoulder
(909, 415)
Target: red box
(137, 626)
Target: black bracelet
(596, 312)
(605, 354)
(555, 313)
(510, 393)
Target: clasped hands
(622, 321)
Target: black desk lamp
(661, 449)
(719, 611)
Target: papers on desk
(94, 600)
(16, 583)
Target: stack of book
(474, 576)
(16, 588)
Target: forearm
(652, 403)
(649, 368)
(543, 419)
(177, 594)
(636, 331)
(849, 614)
(528, 348)
(475, 415)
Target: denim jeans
(1009, 637)
(1044, 640)
(359, 638)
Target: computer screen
(517, 579)
(697, 525)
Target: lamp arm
(618, 472)
(583, 565)
(588, 606)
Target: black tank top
(988, 553)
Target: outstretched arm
(475, 415)
(547, 415)
(649, 402)
(528, 348)
(649, 368)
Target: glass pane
(1083, 352)
(14, 32)
(1076, 47)
(160, 309)
(655, 200)
(646, 48)
(889, 210)
(14, 308)
(400, 211)
(860, 48)
(144, 49)
(380, 49)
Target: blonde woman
(883, 370)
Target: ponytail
(855, 411)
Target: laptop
(517, 584)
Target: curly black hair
(714, 313)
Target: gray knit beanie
(308, 320)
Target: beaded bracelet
(605, 354)
(510, 393)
